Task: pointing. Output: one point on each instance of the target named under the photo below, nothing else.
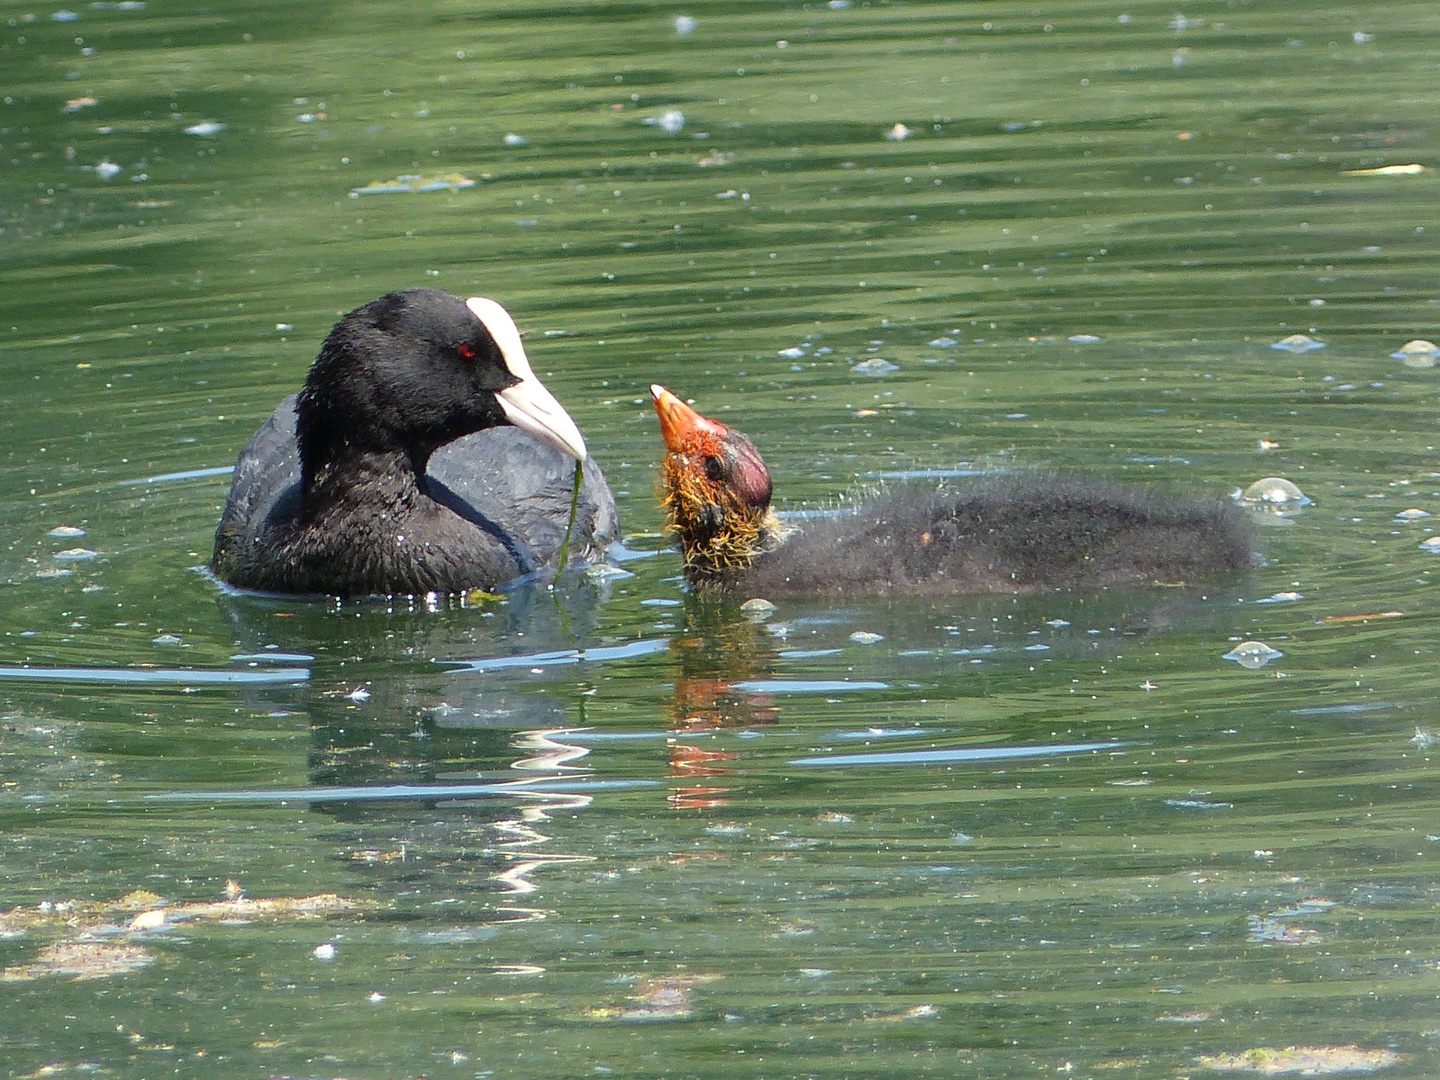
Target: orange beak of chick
(681, 426)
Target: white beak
(527, 404)
(531, 408)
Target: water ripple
(981, 753)
(156, 676)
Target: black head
(414, 370)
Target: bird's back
(1009, 534)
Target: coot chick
(1009, 534)
(392, 471)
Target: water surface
(577, 833)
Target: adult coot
(392, 471)
(1009, 534)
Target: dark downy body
(1016, 534)
(1023, 534)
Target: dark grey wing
(265, 487)
(517, 487)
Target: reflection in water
(567, 656)
(807, 686)
(551, 755)
(158, 676)
(875, 733)
(961, 754)
(517, 835)
(422, 711)
(415, 659)
(432, 794)
(187, 474)
(717, 650)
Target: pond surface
(612, 830)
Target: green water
(1237, 859)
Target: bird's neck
(716, 553)
(392, 480)
(344, 459)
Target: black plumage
(392, 472)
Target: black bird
(392, 471)
(1009, 534)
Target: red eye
(466, 350)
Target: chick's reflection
(717, 648)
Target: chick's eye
(466, 350)
(714, 468)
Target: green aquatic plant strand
(570, 525)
